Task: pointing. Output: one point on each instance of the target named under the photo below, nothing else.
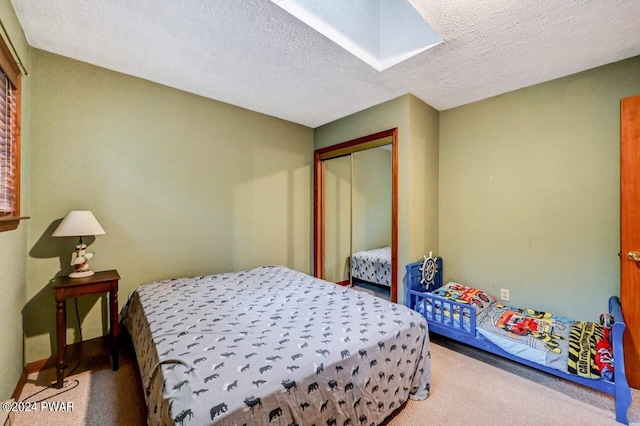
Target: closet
(355, 213)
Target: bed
(273, 346)
(540, 340)
(373, 266)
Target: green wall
(423, 185)
(183, 186)
(13, 244)
(529, 191)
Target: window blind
(7, 147)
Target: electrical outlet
(504, 294)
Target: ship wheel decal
(428, 269)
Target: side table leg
(61, 329)
(113, 296)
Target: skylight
(382, 33)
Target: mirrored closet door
(355, 214)
(370, 257)
(337, 213)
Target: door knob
(634, 256)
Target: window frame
(10, 69)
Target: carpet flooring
(469, 387)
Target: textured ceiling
(253, 54)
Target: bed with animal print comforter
(274, 346)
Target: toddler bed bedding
(372, 265)
(575, 347)
(273, 346)
(581, 348)
(575, 350)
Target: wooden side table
(65, 288)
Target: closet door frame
(385, 137)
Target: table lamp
(79, 223)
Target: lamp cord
(73, 384)
(78, 318)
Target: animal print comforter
(274, 346)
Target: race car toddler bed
(582, 352)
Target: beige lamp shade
(78, 223)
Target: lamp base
(81, 274)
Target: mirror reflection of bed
(357, 225)
(371, 271)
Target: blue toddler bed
(581, 352)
